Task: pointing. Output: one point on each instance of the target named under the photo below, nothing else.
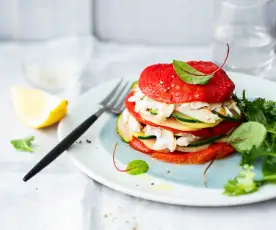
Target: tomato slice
(140, 146)
(200, 157)
(222, 128)
(161, 83)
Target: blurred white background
(174, 22)
(44, 19)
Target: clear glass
(57, 65)
(248, 28)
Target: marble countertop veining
(61, 197)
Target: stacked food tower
(181, 121)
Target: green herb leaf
(246, 134)
(251, 156)
(137, 167)
(271, 179)
(264, 112)
(243, 183)
(253, 113)
(269, 163)
(267, 107)
(24, 145)
(183, 70)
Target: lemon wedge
(37, 108)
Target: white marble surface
(63, 198)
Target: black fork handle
(70, 139)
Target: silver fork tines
(114, 102)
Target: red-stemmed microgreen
(134, 167)
(187, 73)
(216, 156)
(219, 68)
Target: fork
(113, 103)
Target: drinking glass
(57, 65)
(248, 27)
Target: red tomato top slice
(161, 83)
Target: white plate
(183, 185)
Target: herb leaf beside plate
(24, 145)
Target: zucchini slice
(182, 117)
(143, 136)
(153, 112)
(236, 117)
(123, 129)
(205, 141)
(134, 85)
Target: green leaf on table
(24, 145)
(190, 75)
(137, 167)
(249, 134)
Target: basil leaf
(249, 134)
(137, 167)
(187, 73)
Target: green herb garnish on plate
(246, 134)
(259, 143)
(137, 167)
(243, 183)
(190, 75)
